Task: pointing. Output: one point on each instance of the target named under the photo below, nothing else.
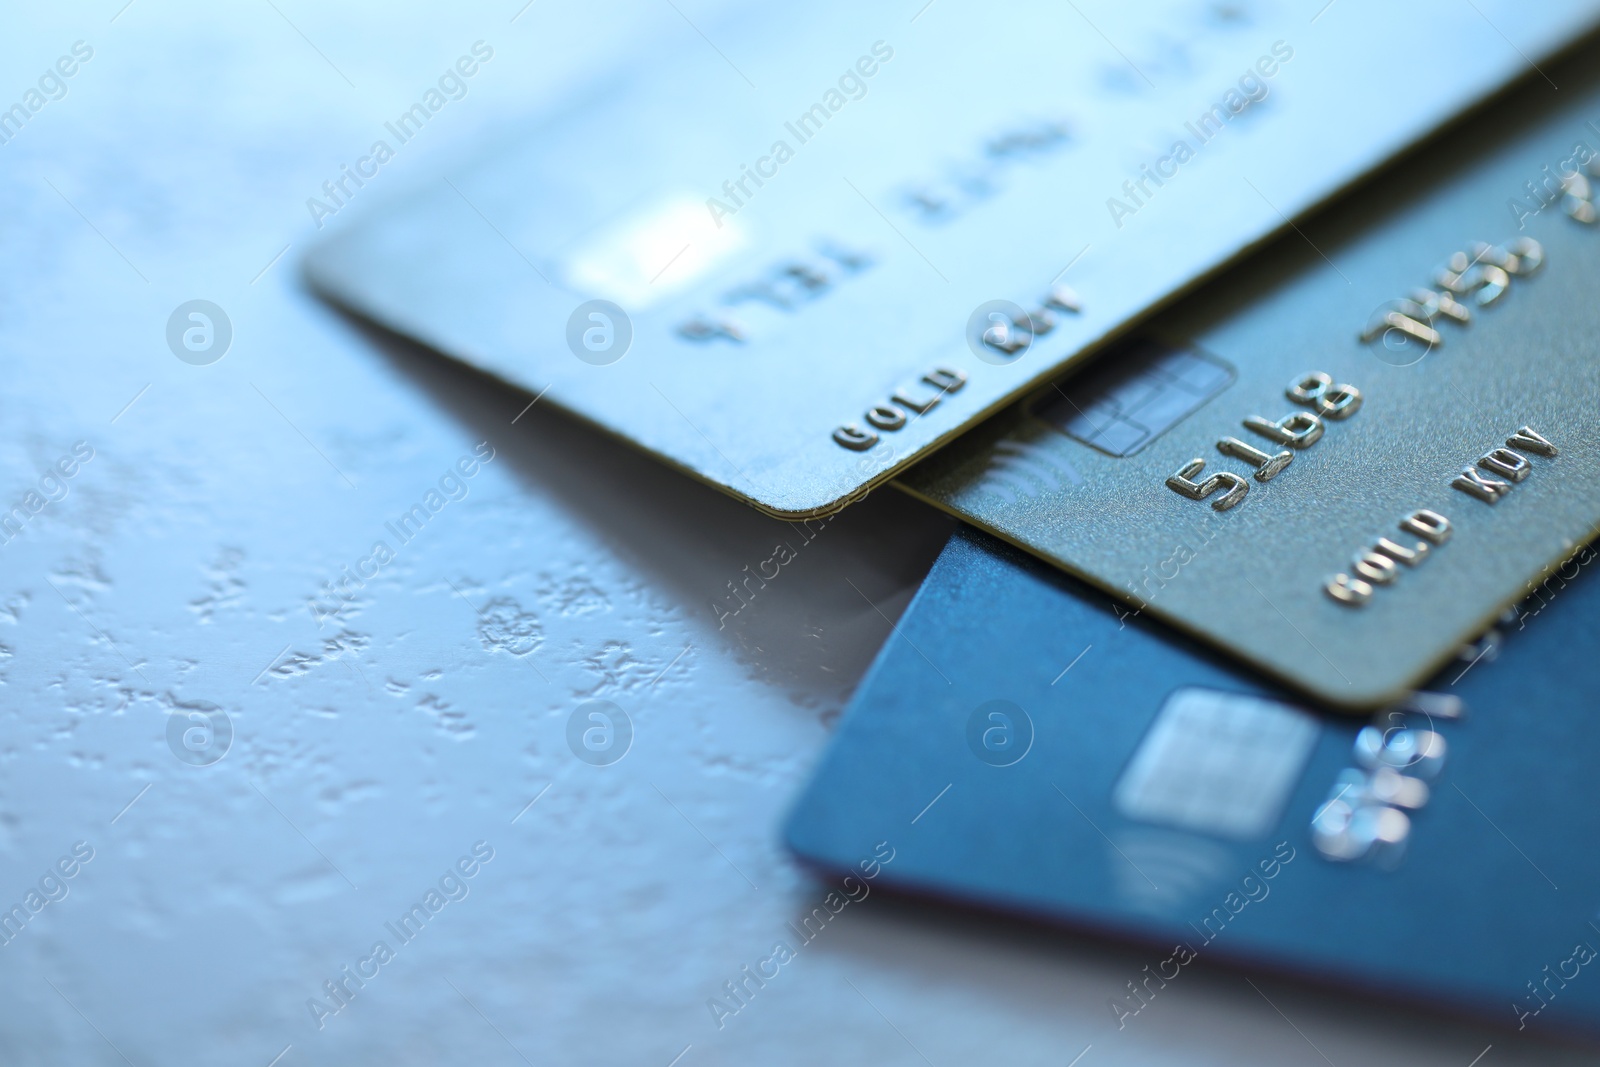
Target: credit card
(811, 244)
(1022, 746)
(1344, 459)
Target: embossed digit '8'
(1316, 390)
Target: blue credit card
(1026, 744)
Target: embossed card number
(1297, 430)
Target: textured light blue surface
(176, 573)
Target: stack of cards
(1295, 672)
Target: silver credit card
(1343, 461)
(811, 245)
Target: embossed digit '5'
(1182, 482)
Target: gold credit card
(1345, 460)
(793, 262)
